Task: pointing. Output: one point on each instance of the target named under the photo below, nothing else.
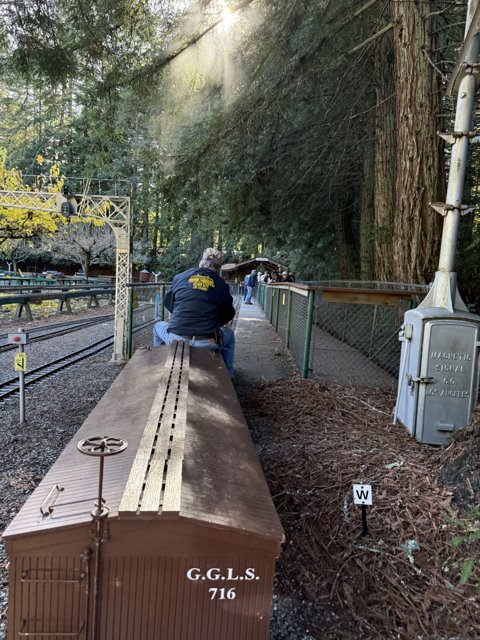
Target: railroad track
(10, 386)
(45, 333)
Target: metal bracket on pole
(451, 138)
(462, 70)
(443, 209)
(472, 69)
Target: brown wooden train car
(173, 538)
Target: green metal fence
(144, 309)
(344, 334)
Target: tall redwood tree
(419, 167)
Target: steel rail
(53, 331)
(10, 387)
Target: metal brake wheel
(102, 445)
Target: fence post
(289, 317)
(372, 333)
(162, 308)
(344, 324)
(278, 311)
(308, 332)
(130, 323)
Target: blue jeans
(162, 336)
(249, 294)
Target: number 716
(222, 593)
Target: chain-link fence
(236, 288)
(344, 334)
(145, 308)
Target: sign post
(20, 338)
(362, 495)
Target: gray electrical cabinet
(438, 378)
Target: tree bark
(384, 168)
(86, 264)
(416, 226)
(367, 218)
(345, 243)
(156, 226)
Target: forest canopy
(303, 131)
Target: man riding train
(200, 305)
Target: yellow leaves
(197, 82)
(21, 224)
(86, 219)
(21, 216)
(10, 179)
(54, 171)
(92, 215)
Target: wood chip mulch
(402, 580)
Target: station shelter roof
(237, 271)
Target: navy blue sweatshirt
(200, 303)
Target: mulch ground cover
(415, 574)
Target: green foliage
(468, 539)
(263, 151)
(467, 570)
(253, 139)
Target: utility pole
(438, 377)
(444, 292)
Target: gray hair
(212, 259)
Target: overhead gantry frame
(114, 211)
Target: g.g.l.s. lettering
(216, 574)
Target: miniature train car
(174, 537)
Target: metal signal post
(114, 211)
(20, 338)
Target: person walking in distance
(251, 283)
(200, 305)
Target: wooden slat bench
(188, 548)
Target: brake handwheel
(102, 445)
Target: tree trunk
(384, 167)
(416, 226)
(70, 116)
(86, 263)
(345, 243)
(156, 227)
(366, 219)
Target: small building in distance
(235, 273)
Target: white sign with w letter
(362, 494)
